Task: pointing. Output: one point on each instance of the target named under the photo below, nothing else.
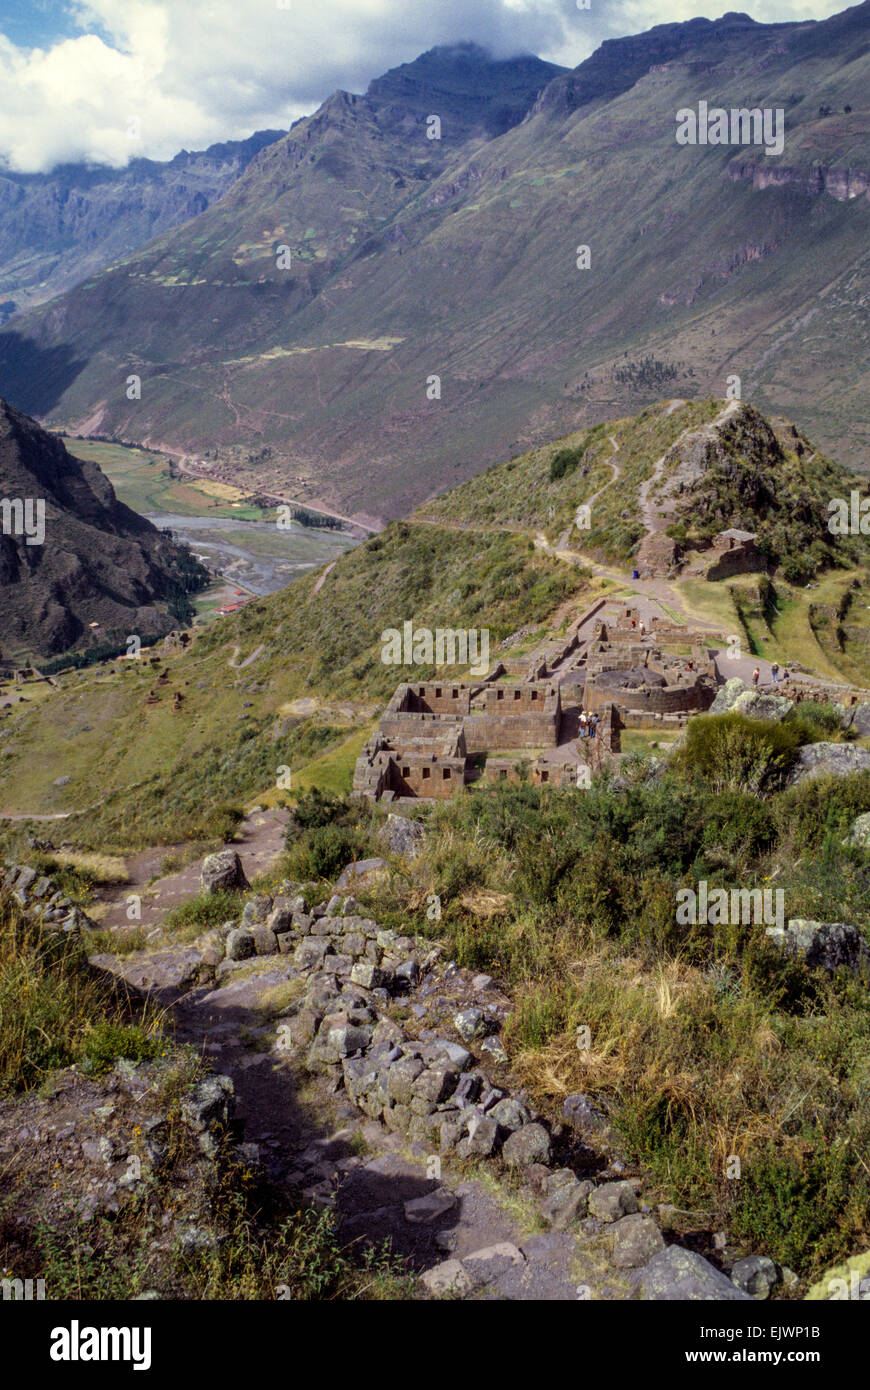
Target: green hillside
(156, 773)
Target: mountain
(56, 229)
(412, 259)
(72, 555)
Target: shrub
(564, 462)
(324, 851)
(792, 1204)
(106, 1041)
(731, 752)
(205, 910)
(738, 823)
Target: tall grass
(55, 1009)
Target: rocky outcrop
(828, 760)
(826, 945)
(682, 1274)
(39, 898)
(91, 569)
(735, 695)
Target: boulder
(857, 718)
(222, 872)
(447, 1278)
(636, 1239)
(240, 944)
(859, 832)
(209, 1103)
(421, 1210)
(755, 1275)
(826, 945)
(350, 876)
(613, 1200)
(511, 1114)
(678, 1274)
(583, 1116)
(265, 941)
(482, 1138)
(494, 1050)
(828, 760)
(401, 835)
(530, 1144)
(735, 695)
(471, 1024)
(566, 1201)
(256, 911)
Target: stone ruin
(432, 734)
(632, 674)
(730, 552)
(521, 720)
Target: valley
(231, 531)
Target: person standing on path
(774, 671)
(583, 723)
(755, 674)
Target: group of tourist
(588, 723)
(775, 673)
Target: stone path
(381, 1186)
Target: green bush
(564, 462)
(793, 1204)
(106, 1041)
(205, 910)
(733, 753)
(322, 853)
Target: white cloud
(191, 72)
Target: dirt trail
(240, 665)
(259, 841)
(652, 514)
(311, 1139)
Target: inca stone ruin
(522, 718)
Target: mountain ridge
(412, 259)
(97, 561)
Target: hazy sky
(105, 80)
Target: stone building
(431, 736)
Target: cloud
(149, 77)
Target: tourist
(774, 671)
(635, 574)
(643, 629)
(593, 724)
(583, 723)
(755, 674)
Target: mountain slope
(412, 259)
(97, 561)
(58, 228)
(297, 679)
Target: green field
(142, 480)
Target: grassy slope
(468, 560)
(158, 772)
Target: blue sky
(107, 80)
